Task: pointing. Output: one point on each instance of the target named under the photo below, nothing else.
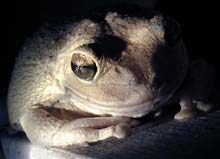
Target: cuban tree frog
(86, 81)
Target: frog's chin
(134, 110)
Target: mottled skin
(54, 107)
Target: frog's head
(124, 66)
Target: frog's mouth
(135, 110)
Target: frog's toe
(205, 107)
(184, 114)
(122, 130)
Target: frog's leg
(189, 108)
(186, 110)
(44, 128)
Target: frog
(87, 80)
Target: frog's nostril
(108, 47)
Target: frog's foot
(205, 107)
(186, 111)
(42, 127)
(184, 114)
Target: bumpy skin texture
(54, 107)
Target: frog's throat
(135, 110)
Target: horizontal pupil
(83, 67)
(84, 72)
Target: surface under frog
(86, 81)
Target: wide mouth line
(88, 101)
(135, 110)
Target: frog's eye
(84, 67)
